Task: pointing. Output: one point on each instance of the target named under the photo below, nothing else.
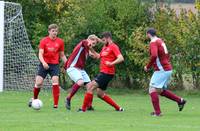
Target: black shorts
(53, 70)
(103, 79)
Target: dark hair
(107, 35)
(151, 31)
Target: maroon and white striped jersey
(78, 56)
(159, 56)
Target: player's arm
(119, 56)
(93, 53)
(100, 40)
(61, 52)
(119, 59)
(41, 52)
(63, 57)
(154, 55)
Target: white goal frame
(18, 60)
(1, 43)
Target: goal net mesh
(20, 60)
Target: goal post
(1, 43)
(18, 60)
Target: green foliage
(138, 55)
(181, 35)
(128, 21)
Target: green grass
(16, 116)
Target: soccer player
(159, 59)
(51, 49)
(110, 55)
(75, 67)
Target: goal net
(19, 59)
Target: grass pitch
(15, 115)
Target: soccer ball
(37, 104)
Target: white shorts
(160, 79)
(77, 74)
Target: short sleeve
(42, 44)
(62, 45)
(85, 43)
(116, 50)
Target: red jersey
(52, 49)
(159, 56)
(108, 53)
(79, 55)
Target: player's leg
(102, 95)
(170, 95)
(74, 89)
(155, 87)
(72, 92)
(54, 73)
(36, 89)
(154, 94)
(88, 95)
(87, 81)
(55, 90)
(102, 81)
(80, 77)
(90, 107)
(38, 83)
(76, 76)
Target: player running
(159, 59)
(51, 49)
(110, 55)
(75, 67)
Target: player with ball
(51, 49)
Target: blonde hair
(52, 26)
(92, 37)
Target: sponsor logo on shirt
(56, 44)
(51, 49)
(105, 52)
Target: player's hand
(109, 63)
(145, 69)
(62, 70)
(46, 66)
(92, 55)
(99, 40)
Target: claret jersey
(78, 56)
(159, 56)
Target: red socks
(87, 100)
(171, 96)
(155, 102)
(36, 92)
(56, 93)
(109, 100)
(90, 102)
(75, 88)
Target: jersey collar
(155, 38)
